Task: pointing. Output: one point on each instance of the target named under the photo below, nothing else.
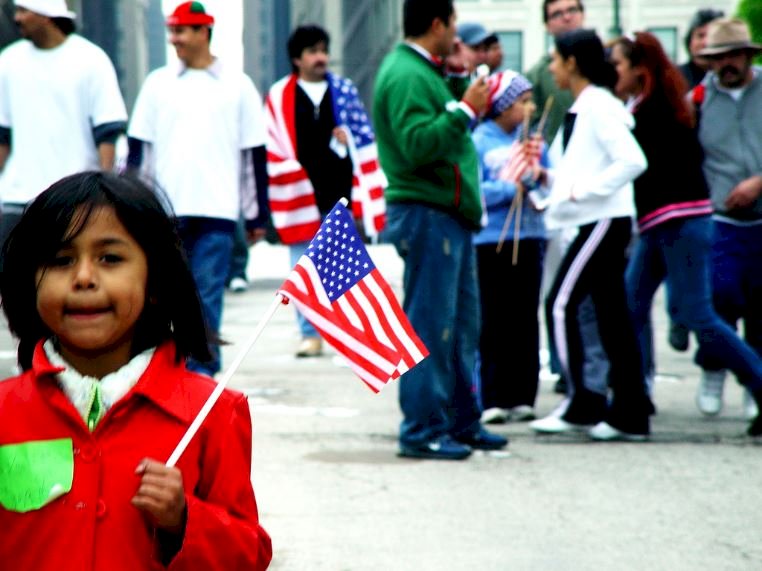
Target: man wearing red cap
(198, 129)
(61, 110)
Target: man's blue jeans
(306, 329)
(208, 252)
(437, 396)
(737, 284)
(679, 252)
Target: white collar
(214, 69)
(79, 388)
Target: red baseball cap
(190, 14)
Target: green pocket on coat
(33, 474)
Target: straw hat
(727, 35)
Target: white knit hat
(49, 8)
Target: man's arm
(5, 146)
(254, 205)
(5, 150)
(105, 139)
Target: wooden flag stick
(506, 224)
(545, 113)
(517, 223)
(204, 412)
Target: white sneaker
(604, 432)
(709, 394)
(556, 425)
(495, 415)
(238, 285)
(522, 413)
(750, 409)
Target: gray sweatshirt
(730, 132)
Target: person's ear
(570, 64)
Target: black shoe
(442, 448)
(679, 336)
(483, 440)
(560, 388)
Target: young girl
(673, 209)
(594, 158)
(98, 292)
(510, 295)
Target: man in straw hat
(61, 110)
(729, 110)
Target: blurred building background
(362, 31)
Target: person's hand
(340, 134)
(255, 235)
(462, 58)
(745, 193)
(477, 95)
(161, 495)
(533, 146)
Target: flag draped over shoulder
(338, 289)
(293, 207)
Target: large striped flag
(293, 207)
(338, 289)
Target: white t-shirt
(52, 99)
(198, 122)
(315, 90)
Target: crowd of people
(502, 193)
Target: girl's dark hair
(663, 84)
(172, 309)
(588, 52)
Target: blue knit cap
(505, 88)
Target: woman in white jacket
(595, 159)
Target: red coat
(94, 526)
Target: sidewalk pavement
(335, 497)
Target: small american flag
(517, 164)
(338, 289)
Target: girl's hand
(161, 495)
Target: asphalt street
(335, 496)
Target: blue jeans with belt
(679, 252)
(437, 396)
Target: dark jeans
(208, 248)
(509, 345)
(239, 257)
(737, 283)
(437, 396)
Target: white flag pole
(193, 428)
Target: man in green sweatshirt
(423, 107)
